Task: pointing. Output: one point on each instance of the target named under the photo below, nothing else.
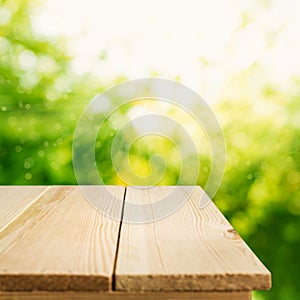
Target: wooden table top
(52, 240)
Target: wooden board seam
(113, 282)
(25, 209)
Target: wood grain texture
(14, 200)
(62, 243)
(128, 296)
(194, 249)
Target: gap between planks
(113, 287)
(16, 204)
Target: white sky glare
(201, 42)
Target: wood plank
(14, 200)
(128, 296)
(61, 243)
(194, 249)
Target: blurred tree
(40, 102)
(260, 193)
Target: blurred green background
(42, 98)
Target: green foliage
(261, 188)
(41, 101)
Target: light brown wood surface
(61, 243)
(52, 239)
(14, 200)
(195, 249)
(128, 296)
